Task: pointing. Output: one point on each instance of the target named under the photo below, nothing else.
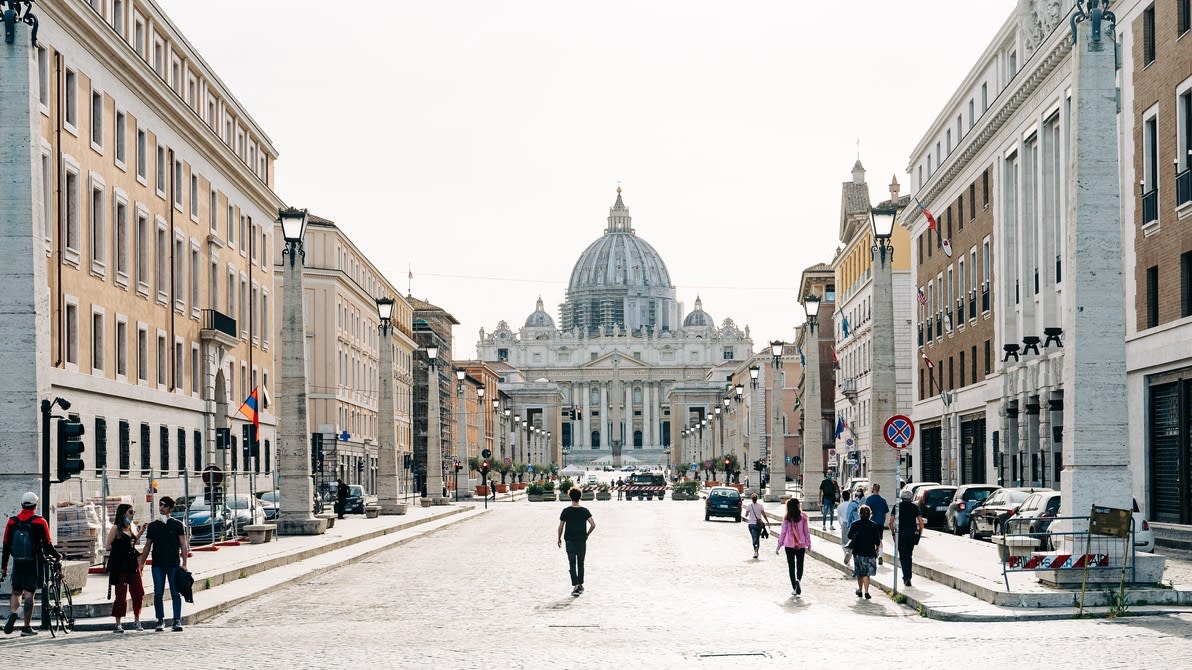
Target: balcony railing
(1150, 206)
(985, 298)
(959, 311)
(973, 304)
(218, 321)
(920, 334)
(1183, 188)
(848, 387)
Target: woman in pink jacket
(796, 539)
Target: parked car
(967, 498)
(1144, 537)
(245, 510)
(933, 503)
(1037, 512)
(858, 482)
(915, 486)
(354, 503)
(723, 501)
(987, 519)
(271, 502)
(206, 526)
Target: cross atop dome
(619, 220)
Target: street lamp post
(388, 478)
(777, 449)
(434, 433)
(883, 463)
(505, 434)
(754, 430)
(461, 426)
(513, 448)
(813, 431)
(295, 485)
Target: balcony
(1183, 188)
(1150, 207)
(848, 388)
(218, 327)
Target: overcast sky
(480, 142)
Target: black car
(968, 497)
(354, 504)
(933, 503)
(987, 519)
(723, 501)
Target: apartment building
(147, 200)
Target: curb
(200, 613)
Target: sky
(479, 143)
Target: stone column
(586, 442)
(813, 430)
(293, 454)
(434, 440)
(627, 439)
(388, 472)
(1096, 455)
(604, 418)
(24, 300)
(647, 412)
(777, 487)
(883, 460)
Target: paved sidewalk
(233, 574)
(960, 579)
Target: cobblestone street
(663, 587)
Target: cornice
(1022, 87)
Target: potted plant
(685, 490)
(565, 486)
(603, 492)
(534, 492)
(587, 493)
(548, 490)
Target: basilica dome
(699, 318)
(619, 283)
(539, 319)
(619, 258)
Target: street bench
(330, 517)
(372, 511)
(1014, 545)
(260, 533)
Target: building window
(72, 334)
(973, 364)
(197, 445)
(161, 170)
(164, 446)
(121, 232)
(101, 444)
(121, 149)
(72, 210)
(1150, 169)
(213, 211)
(163, 256)
(142, 253)
(97, 342)
(146, 451)
(984, 97)
(1152, 296)
(71, 103)
(43, 75)
(988, 359)
(194, 195)
(178, 183)
(97, 225)
(1186, 284)
(142, 153)
(728, 353)
(162, 361)
(181, 450)
(142, 355)
(195, 372)
(1148, 35)
(124, 440)
(194, 278)
(121, 348)
(1183, 10)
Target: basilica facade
(631, 369)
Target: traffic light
(316, 452)
(70, 448)
(458, 466)
(759, 465)
(484, 468)
(727, 461)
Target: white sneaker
(118, 629)
(137, 627)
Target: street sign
(508, 461)
(831, 453)
(1110, 521)
(899, 431)
(212, 475)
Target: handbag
(762, 532)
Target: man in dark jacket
(341, 497)
(26, 542)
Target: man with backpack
(26, 541)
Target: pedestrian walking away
(907, 532)
(842, 512)
(124, 567)
(27, 542)
(864, 536)
(879, 508)
(796, 539)
(755, 514)
(829, 492)
(572, 522)
(341, 497)
(167, 545)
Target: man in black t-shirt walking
(571, 528)
(168, 547)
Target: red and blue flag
(251, 409)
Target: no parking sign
(899, 431)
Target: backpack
(23, 544)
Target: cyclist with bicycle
(27, 542)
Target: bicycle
(58, 594)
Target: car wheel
(952, 526)
(737, 518)
(973, 529)
(707, 517)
